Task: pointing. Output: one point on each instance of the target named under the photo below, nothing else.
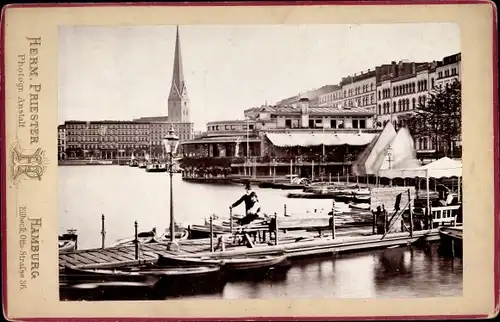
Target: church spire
(178, 85)
(178, 101)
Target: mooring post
(136, 241)
(103, 231)
(374, 222)
(211, 234)
(333, 225)
(410, 209)
(276, 232)
(231, 220)
(330, 177)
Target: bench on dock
(446, 215)
(270, 226)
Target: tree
(439, 117)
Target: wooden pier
(292, 245)
(451, 241)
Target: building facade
(332, 97)
(359, 90)
(117, 139)
(407, 86)
(278, 119)
(448, 70)
(61, 142)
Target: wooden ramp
(453, 232)
(290, 244)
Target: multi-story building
(404, 86)
(61, 142)
(359, 90)
(326, 134)
(400, 92)
(161, 125)
(448, 70)
(331, 97)
(105, 139)
(118, 139)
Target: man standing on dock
(246, 198)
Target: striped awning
(315, 139)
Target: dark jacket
(248, 202)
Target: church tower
(178, 101)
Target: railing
(444, 215)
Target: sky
(121, 73)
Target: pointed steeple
(178, 101)
(178, 85)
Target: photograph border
(496, 148)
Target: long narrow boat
(78, 275)
(236, 264)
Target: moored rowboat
(230, 264)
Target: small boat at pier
(229, 265)
(142, 164)
(133, 163)
(156, 166)
(68, 242)
(142, 238)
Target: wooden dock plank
(117, 253)
(104, 257)
(114, 257)
(66, 259)
(90, 257)
(82, 259)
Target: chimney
(413, 68)
(304, 112)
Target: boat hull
(232, 267)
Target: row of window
(109, 126)
(357, 90)
(405, 89)
(318, 123)
(107, 138)
(361, 102)
(347, 93)
(401, 106)
(230, 127)
(447, 73)
(113, 146)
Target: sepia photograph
(265, 161)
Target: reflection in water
(126, 194)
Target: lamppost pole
(170, 142)
(172, 227)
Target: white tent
(442, 168)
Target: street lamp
(171, 141)
(389, 156)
